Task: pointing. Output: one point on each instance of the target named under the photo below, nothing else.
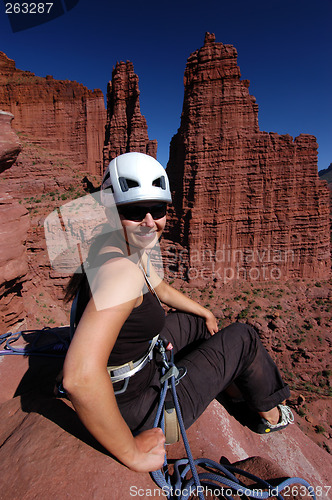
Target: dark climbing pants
(234, 354)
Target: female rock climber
(118, 315)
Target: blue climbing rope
(220, 478)
(57, 348)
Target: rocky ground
(293, 317)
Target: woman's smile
(145, 232)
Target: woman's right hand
(150, 451)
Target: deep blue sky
(284, 49)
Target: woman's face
(143, 223)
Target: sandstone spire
(247, 204)
(126, 128)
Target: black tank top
(144, 322)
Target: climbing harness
(119, 373)
(218, 478)
(123, 372)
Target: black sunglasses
(137, 213)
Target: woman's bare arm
(176, 299)
(88, 384)
(173, 298)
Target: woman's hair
(78, 280)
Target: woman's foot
(272, 416)
(276, 419)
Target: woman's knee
(241, 330)
(182, 329)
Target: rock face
(14, 224)
(60, 115)
(10, 146)
(126, 128)
(247, 204)
(326, 175)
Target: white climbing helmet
(134, 177)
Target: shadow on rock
(46, 351)
(241, 411)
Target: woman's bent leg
(234, 354)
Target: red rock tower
(126, 128)
(247, 204)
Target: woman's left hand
(211, 322)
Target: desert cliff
(62, 115)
